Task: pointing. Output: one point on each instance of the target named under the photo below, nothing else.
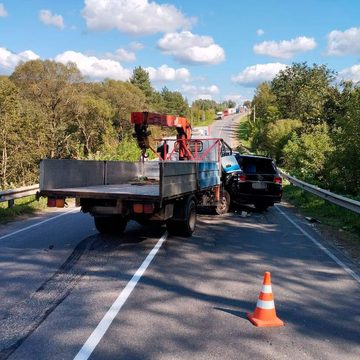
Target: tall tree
(51, 85)
(141, 79)
(345, 162)
(174, 103)
(265, 103)
(302, 91)
(124, 98)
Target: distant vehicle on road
(251, 179)
(219, 115)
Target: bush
(305, 154)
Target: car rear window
(252, 165)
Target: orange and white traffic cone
(265, 313)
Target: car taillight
(242, 177)
(277, 180)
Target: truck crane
(142, 120)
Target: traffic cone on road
(265, 313)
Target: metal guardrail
(11, 195)
(342, 201)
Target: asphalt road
(67, 292)
(226, 129)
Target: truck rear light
(143, 208)
(138, 208)
(60, 203)
(277, 180)
(51, 202)
(149, 208)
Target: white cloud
(122, 55)
(9, 60)
(285, 49)
(137, 17)
(352, 73)
(344, 42)
(166, 73)
(200, 92)
(191, 49)
(136, 46)
(3, 12)
(234, 97)
(260, 32)
(253, 75)
(47, 18)
(93, 67)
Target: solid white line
(323, 248)
(37, 224)
(106, 321)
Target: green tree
(174, 103)
(265, 104)
(141, 79)
(302, 91)
(306, 155)
(91, 125)
(51, 85)
(345, 161)
(21, 142)
(276, 136)
(124, 98)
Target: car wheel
(224, 204)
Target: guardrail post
(11, 203)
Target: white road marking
(37, 224)
(108, 318)
(323, 248)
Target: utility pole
(254, 113)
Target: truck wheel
(110, 224)
(224, 204)
(186, 226)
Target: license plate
(259, 185)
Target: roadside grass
(198, 123)
(328, 214)
(23, 206)
(243, 134)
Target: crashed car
(251, 179)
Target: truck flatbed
(116, 191)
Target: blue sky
(203, 48)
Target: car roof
(254, 156)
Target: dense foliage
(48, 110)
(310, 125)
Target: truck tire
(224, 204)
(114, 224)
(186, 226)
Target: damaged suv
(251, 179)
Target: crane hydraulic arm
(142, 120)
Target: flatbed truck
(114, 192)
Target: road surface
(68, 292)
